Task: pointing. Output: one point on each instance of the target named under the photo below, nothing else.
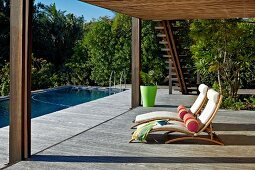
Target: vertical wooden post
(170, 77)
(136, 62)
(198, 81)
(20, 77)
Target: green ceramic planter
(148, 94)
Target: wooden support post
(20, 80)
(198, 81)
(170, 77)
(136, 62)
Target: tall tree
(223, 48)
(121, 30)
(55, 33)
(100, 44)
(4, 31)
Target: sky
(79, 8)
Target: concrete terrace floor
(105, 131)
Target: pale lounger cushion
(174, 126)
(213, 97)
(161, 115)
(197, 104)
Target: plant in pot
(148, 88)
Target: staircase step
(183, 55)
(186, 53)
(190, 84)
(161, 35)
(165, 49)
(175, 79)
(163, 42)
(173, 68)
(159, 28)
(181, 61)
(176, 87)
(167, 56)
(167, 61)
(192, 89)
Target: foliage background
(69, 50)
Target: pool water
(54, 100)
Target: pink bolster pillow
(182, 113)
(180, 107)
(187, 116)
(192, 125)
(190, 122)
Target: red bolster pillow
(192, 125)
(187, 116)
(191, 122)
(180, 107)
(182, 113)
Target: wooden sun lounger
(166, 115)
(205, 119)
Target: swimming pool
(51, 100)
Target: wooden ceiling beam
(180, 9)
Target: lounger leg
(218, 138)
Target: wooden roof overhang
(180, 9)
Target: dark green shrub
(5, 80)
(231, 103)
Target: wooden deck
(246, 91)
(103, 141)
(53, 128)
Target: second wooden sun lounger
(166, 115)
